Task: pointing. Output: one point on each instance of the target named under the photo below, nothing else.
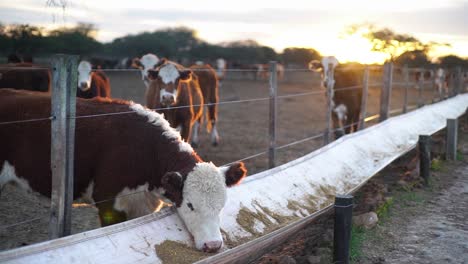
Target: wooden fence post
(365, 90)
(386, 91)
(273, 115)
(452, 139)
(330, 93)
(421, 88)
(424, 145)
(458, 87)
(342, 228)
(64, 70)
(406, 80)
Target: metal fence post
(452, 139)
(421, 88)
(342, 228)
(64, 70)
(330, 94)
(273, 115)
(365, 89)
(424, 146)
(406, 80)
(386, 91)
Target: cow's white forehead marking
(84, 66)
(84, 75)
(326, 61)
(8, 174)
(205, 188)
(159, 120)
(168, 73)
(149, 60)
(341, 110)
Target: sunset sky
(279, 24)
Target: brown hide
(189, 94)
(351, 98)
(26, 76)
(209, 86)
(114, 151)
(100, 86)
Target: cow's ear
(185, 74)
(235, 173)
(315, 66)
(173, 184)
(160, 62)
(153, 74)
(136, 63)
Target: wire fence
(321, 135)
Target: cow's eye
(190, 206)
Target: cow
(92, 83)
(132, 162)
(441, 82)
(220, 69)
(263, 71)
(175, 92)
(209, 85)
(27, 76)
(346, 103)
(146, 63)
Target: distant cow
(26, 76)
(263, 71)
(129, 165)
(146, 63)
(221, 68)
(441, 82)
(209, 86)
(173, 86)
(346, 103)
(92, 83)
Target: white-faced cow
(92, 83)
(146, 63)
(441, 82)
(131, 163)
(175, 92)
(221, 68)
(346, 103)
(25, 76)
(263, 71)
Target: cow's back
(25, 76)
(208, 82)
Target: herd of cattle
(141, 152)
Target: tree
(299, 56)
(414, 58)
(387, 41)
(452, 61)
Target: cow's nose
(212, 246)
(83, 85)
(168, 98)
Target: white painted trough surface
(269, 199)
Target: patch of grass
(358, 236)
(459, 156)
(436, 164)
(411, 197)
(382, 211)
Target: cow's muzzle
(212, 246)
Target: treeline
(176, 43)
(179, 43)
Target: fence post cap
(343, 199)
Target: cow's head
(84, 75)
(323, 67)
(200, 199)
(167, 76)
(146, 63)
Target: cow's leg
(195, 131)
(185, 130)
(212, 112)
(337, 126)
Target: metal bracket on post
(452, 139)
(63, 108)
(386, 92)
(365, 91)
(330, 93)
(273, 115)
(342, 228)
(424, 145)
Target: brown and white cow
(26, 76)
(346, 103)
(145, 63)
(263, 71)
(209, 85)
(132, 162)
(175, 92)
(92, 83)
(441, 82)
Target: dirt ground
(417, 224)
(243, 129)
